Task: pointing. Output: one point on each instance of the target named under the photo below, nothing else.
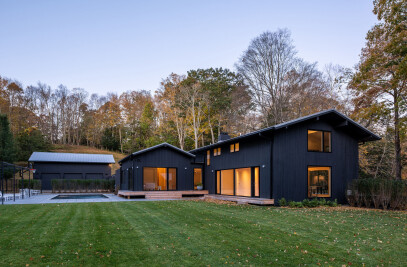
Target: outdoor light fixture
(263, 166)
(186, 168)
(136, 167)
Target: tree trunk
(211, 128)
(397, 145)
(120, 137)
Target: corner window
(208, 157)
(319, 141)
(319, 181)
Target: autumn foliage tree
(380, 82)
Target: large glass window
(157, 179)
(319, 141)
(217, 182)
(256, 182)
(197, 177)
(239, 182)
(243, 182)
(172, 179)
(319, 181)
(227, 182)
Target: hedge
(378, 193)
(78, 185)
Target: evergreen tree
(7, 147)
(30, 140)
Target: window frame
(323, 141)
(167, 182)
(329, 181)
(252, 186)
(235, 147)
(202, 176)
(208, 157)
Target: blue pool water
(93, 196)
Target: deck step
(243, 200)
(161, 194)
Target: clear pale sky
(115, 46)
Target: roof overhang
(332, 116)
(162, 145)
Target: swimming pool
(84, 196)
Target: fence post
(22, 183)
(29, 182)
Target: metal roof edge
(165, 144)
(288, 123)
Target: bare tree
(264, 66)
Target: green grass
(198, 233)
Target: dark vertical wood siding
(253, 152)
(291, 161)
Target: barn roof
(156, 147)
(333, 116)
(71, 157)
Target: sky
(116, 46)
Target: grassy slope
(198, 233)
(89, 150)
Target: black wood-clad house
(159, 168)
(51, 165)
(313, 156)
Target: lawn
(198, 233)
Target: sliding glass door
(238, 182)
(159, 179)
(243, 182)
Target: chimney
(223, 137)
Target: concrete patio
(47, 198)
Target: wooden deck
(162, 194)
(243, 200)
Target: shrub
(292, 204)
(382, 193)
(315, 202)
(282, 202)
(32, 184)
(306, 203)
(77, 185)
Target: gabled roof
(71, 157)
(156, 147)
(332, 115)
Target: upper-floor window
(234, 147)
(319, 141)
(216, 151)
(208, 157)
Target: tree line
(271, 84)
